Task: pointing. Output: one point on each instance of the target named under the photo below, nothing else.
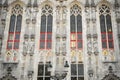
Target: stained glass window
(46, 28)
(106, 27)
(15, 27)
(76, 27)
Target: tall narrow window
(46, 28)
(106, 27)
(76, 27)
(43, 73)
(77, 72)
(15, 27)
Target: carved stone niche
(26, 36)
(32, 37)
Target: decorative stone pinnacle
(87, 3)
(29, 4)
(35, 3)
(92, 3)
(116, 4)
(5, 3)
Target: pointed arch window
(15, 27)
(106, 27)
(76, 27)
(46, 27)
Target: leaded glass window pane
(79, 23)
(11, 36)
(16, 45)
(40, 70)
(104, 44)
(47, 73)
(79, 44)
(49, 36)
(9, 45)
(73, 78)
(102, 23)
(42, 36)
(48, 45)
(49, 23)
(17, 36)
(110, 36)
(40, 78)
(110, 44)
(72, 23)
(109, 24)
(80, 69)
(43, 23)
(79, 36)
(12, 23)
(42, 44)
(73, 69)
(103, 36)
(18, 24)
(80, 78)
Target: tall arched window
(46, 27)
(76, 27)
(15, 27)
(77, 68)
(106, 27)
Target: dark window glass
(79, 23)
(110, 36)
(80, 69)
(79, 44)
(109, 24)
(43, 23)
(73, 78)
(79, 36)
(47, 73)
(104, 44)
(9, 45)
(48, 45)
(47, 78)
(102, 23)
(49, 23)
(49, 37)
(42, 44)
(73, 69)
(40, 78)
(103, 36)
(12, 23)
(40, 70)
(110, 44)
(17, 36)
(16, 45)
(72, 23)
(42, 36)
(18, 24)
(80, 78)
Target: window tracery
(46, 27)
(106, 27)
(15, 27)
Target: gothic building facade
(59, 40)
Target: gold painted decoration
(105, 52)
